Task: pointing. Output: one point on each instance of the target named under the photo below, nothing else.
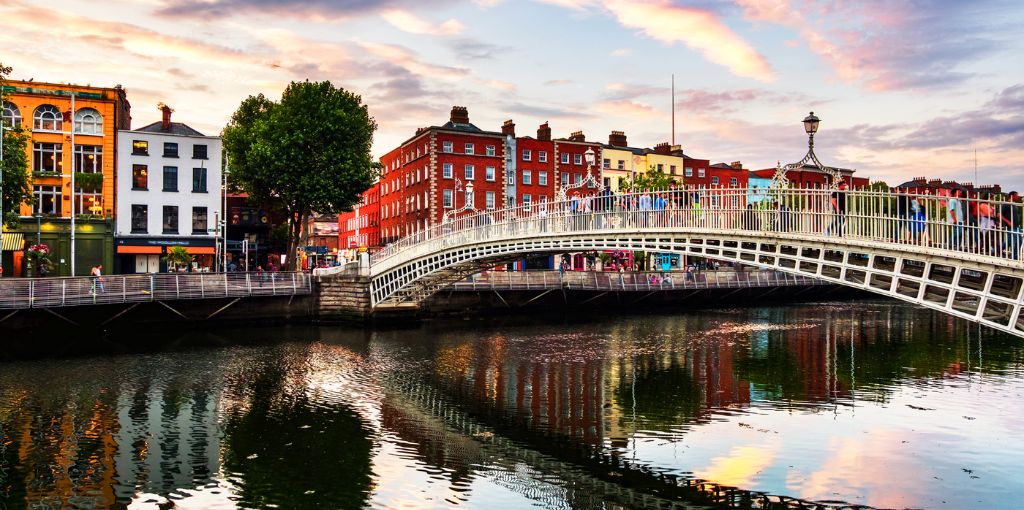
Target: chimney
(508, 128)
(166, 123)
(617, 138)
(577, 136)
(662, 148)
(544, 133)
(460, 115)
(677, 148)
(736, 165)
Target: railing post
(124, 289)
(248, 283)
(202, 286)
(64, 292)
(273, 283)
(31, 293)
(177, 286)
(152, 287)
(294, 290)
(226, 292)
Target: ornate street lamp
(589, 180)
(810, 127)
(452, 213)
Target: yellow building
(664, 159)
(620, 162)
(63, 142)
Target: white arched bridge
(958, 255)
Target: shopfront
(148, 255)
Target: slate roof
(177, 128)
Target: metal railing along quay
(21, 293)
(633, 281)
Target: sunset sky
(903, 89)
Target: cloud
(402, 56)
(558, 82)
(314, 10)
(699, 29)
(732, 101)
(621, 52)
(625, 91)
(408, 22)
(892, 46)
(503, 86)
(473, 49)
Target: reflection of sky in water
(870, 404)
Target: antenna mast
(673, 109)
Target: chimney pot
(508, 128)
(617, 138)
(544, 133)
(460, 115)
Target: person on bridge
(838, 201)
(97, 278)
(1010, 218)
(955, 218)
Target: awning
(201, 250)
(152, 250)
(12, 241)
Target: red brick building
(811, 176)
(431, 173)
(360, 228)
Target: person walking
(955, 218)
(97, 278)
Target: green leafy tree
(651, 179)
(16, 189)
(307, 154)
(178, 256)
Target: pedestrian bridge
(903, 246)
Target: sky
(904, 89)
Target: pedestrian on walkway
(97, 278)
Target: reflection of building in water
(168, 437)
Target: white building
(168, 194)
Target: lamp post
(3, 130)
(589, 180)
(779, 180)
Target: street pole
(3, 130)
(224, 216)
(73, 184)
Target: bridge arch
(865, 255)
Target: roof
(452, 126)
(177, 128)
(724, 165)
(634, 150)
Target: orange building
(63, 142)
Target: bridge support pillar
(343, 297)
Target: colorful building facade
(72, 131)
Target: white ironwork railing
(16, 293)
(974, 227)
(633, 281)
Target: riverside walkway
(47, 293)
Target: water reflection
(876, 404)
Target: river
(879, 404)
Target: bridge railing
(976, 225)
(18, 293)
(632, 281)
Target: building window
(542, 178)
(714, 180)
(565, 157)
(527, 155)
(170, 150)
(733, 181)
(140, 148)
(577, 178)
(469, 148)
(199, 180)
(661, 168)
(511, 177)
(489, 200)
(577, 159)
(88, 122)
(447, 199)
(672, 169)
(510, 201)
(446, 171)
(700, 173)
(140, 219)
(48, 118)
(470, 170)
(140, 177)
(199, 223)
(47, 157)
(489, 173)
(607, 163)
(565, 178)
(542, 156)
(48, 199)
(527, 200)
(446, 146)
(527, 177)
(199, 151)
(12, 115)
(170, 178)
(170, 219)
(490, 150)
(89, 159)
(88, 202)
(622, 164)
(688, 172)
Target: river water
(877, 404)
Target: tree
(16, 189)
(308, 153)
(178, 256)
(651, 179)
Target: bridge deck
(25, 293)
(632, 281)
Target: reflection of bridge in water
(581, 475)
